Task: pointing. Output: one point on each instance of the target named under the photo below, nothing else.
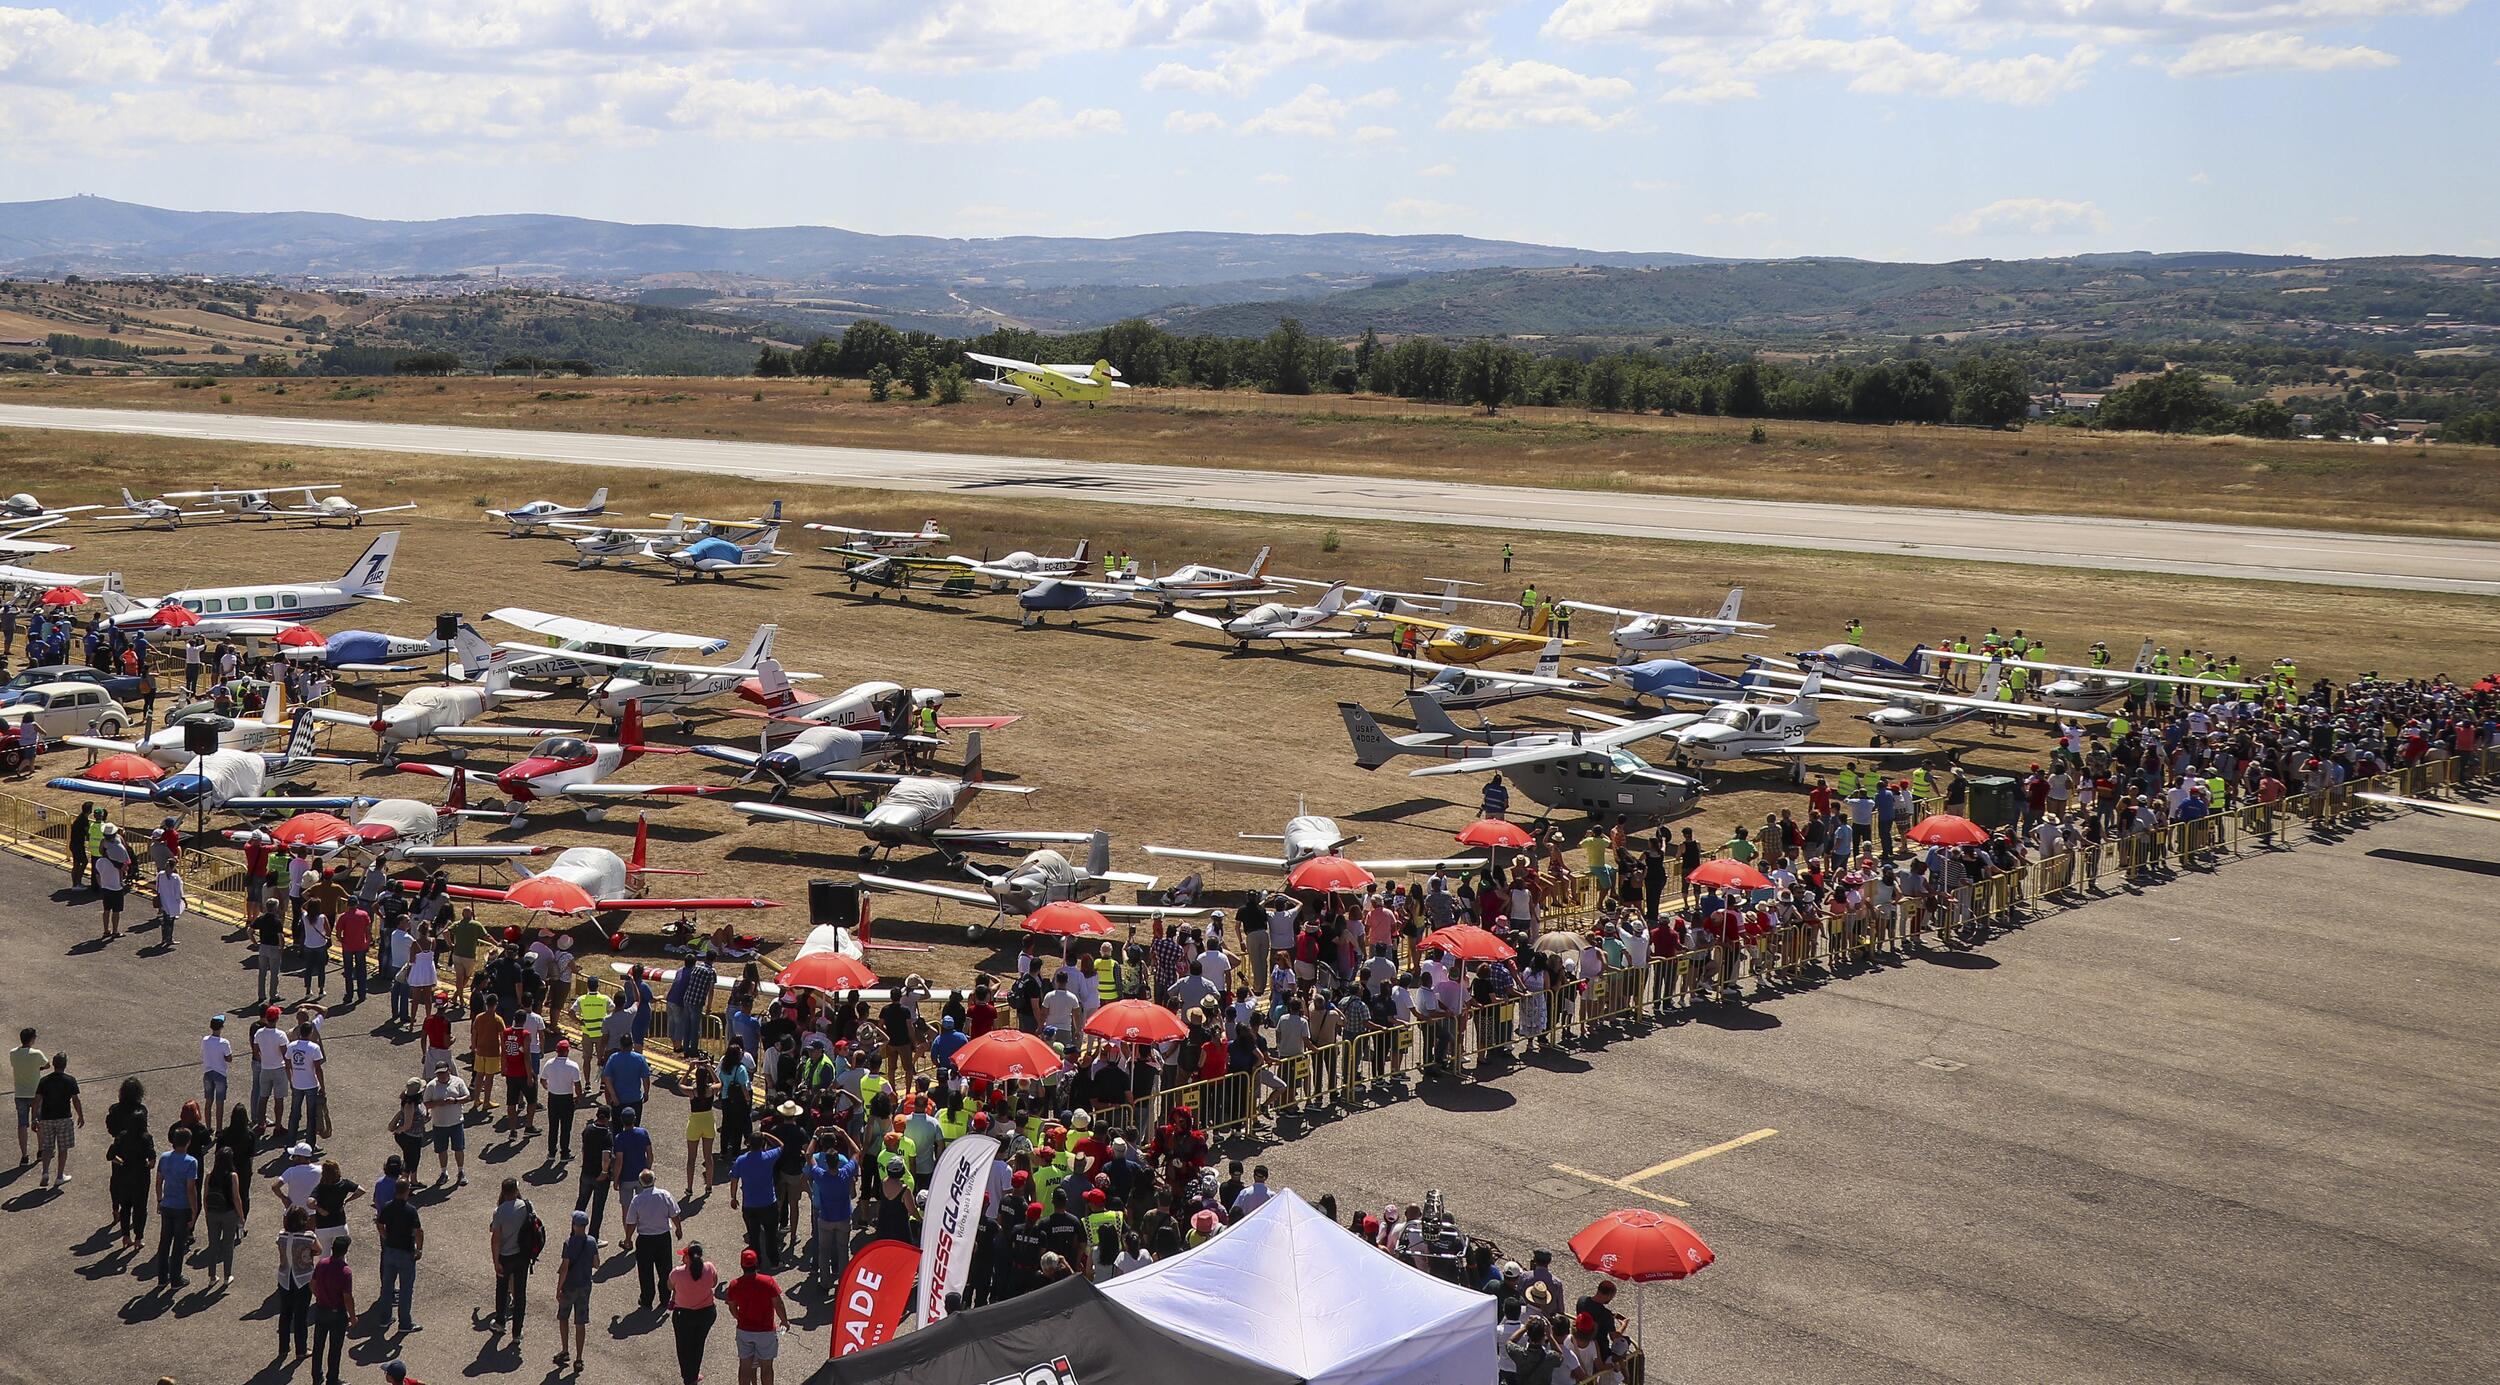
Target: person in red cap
(762, 1314)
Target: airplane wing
(476, 777)
(1546, 753)
(1225, 858)
(1698, 622)
(1144, 911)
(288, 803)
(744, 758)
(335, 717)
(2112, 672)
(616, 661)
(2432, 805)
(1861, 752)
(922, 887)
(134, 793)
(385, 668)
(100, 743)
(1001, 362)
(686, 906)
(1195, 618)
(646, 790)
(1525, 680)
(592, 632)
(783, 812)
(1423, 863)
(363, 510)
(499, 733)
(571, 527)
(473, 853)
(1453, 628)
(977, 723)
(973, 836)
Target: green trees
(1490, 373)
(1989, 390)
(880, 383)
(2263, 418)
(773, 363)
(1285, 359)
(949, 384)
(2175, 401)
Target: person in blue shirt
(943, 1048)
(753, 1190)
(626, 1074)
(1887, 807)
(833, 1176)
(630, 1152)
(177, 1208)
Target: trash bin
(1996, 800)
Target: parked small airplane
(166, 746)
(229, 780)
(2077, 688)
(567, 635)
(870, 706)
(595, 544)
(1753, 730)
(882, 540)
(256, 504)
(25, 506)
(1044, 877)
(1915, 714)
(1274, 620)
(667, 687)
(1068, 383)
(1307, 835)
(1469, 645)
(1670, 679)
(1190, 583)
(565, 765)
(1649, 632)
(1572, 771)
(812, 755)
(425, 713)
(334, 509)
(525, 519)
(585, 880)
(915, 810)
(139, 514)
(393, 829)
(1454, 688)
(718, 558)
(286, 601)
(1039, 599)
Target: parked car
(119, 686)
(66, 708)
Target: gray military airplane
(1579, 771)
(1044, 877)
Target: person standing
(112, 878)
(762, 1314)
(308, 1084)
(222, 1205)
(177, 1208)
(77, 843)
(598, 1168)
(59, 1115)
(561, 1078)
(629, 1153)
(447, 1099)
(655, 1221)
(691, 1311)
(216, 1060)
(754, 1190)
(575, 1265)
(269, 943)
(355, 930)
(514, 1245)
(833, 1172)
(298, 1253)
(27, 1066)
(333, 1311)
(402, 1232)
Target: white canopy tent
(1289, 1288)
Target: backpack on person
(533, 1234)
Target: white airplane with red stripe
(593, 880)
(565, 766)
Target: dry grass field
(2437, 490)
(177, 324)
(1133, 724)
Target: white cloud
(48, 48)
(1195, 122)
(1313, 112)
(1275, 179)
(1886, 66)
(1494, 95)
(2200, 179)
(1985, 22)
(2235, 55)
(1603, 21)
(1738, 220)
(1439, 170)
(1374, 134)
(2034, 216)
(1711, 92)
(1425, 20)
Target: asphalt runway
(2287, 555)
(2239, 1127)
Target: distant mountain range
(98, 235)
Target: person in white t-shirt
(561, 1079)
(268, 1071)
(307, 1086)
(296, 1182)
(1215, 965)
(1061, 1007)
(216, 1059)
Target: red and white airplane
(875, 706)
(565, 766)
(592, 880)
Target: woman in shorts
(702, 1123)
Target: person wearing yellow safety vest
(2100, 654)
(1527, 605)
(590, 1010)
(1103, 1224)
(1846, 782)
(2005, 694)
(1922, 789)
(1854, 631)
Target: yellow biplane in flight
(1072, 384)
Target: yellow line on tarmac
(1619, 1185)
(1697, 1156)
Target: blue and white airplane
(1051, 594)
(526, 519)
(1671, 680)
(286, 601)
(230, 780)
(718, 558)
(1455, 687)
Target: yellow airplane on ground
(1073, 384)
(1469, 645)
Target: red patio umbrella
(1469, 943)
(124, 769)
(1725, 871)
(1944, 829)
(1069, 919)
(1328, 874)
(1136, 1022)
(64, 596)
(1004, 1055)
(1495, 832)
(1640, 1245)
(828, 972)
(174, 615)
(301, 637)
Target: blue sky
(1893, 129)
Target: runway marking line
(1630, 1183)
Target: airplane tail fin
(1258, 563)
(642, 844)
(772, 685)
(299, 742)
(1989, 677)
(474, 656)
(2144, 656)
(116, 601)
(1372, 746)
(1549, 663)
(127, 502)
(1449, 596)
(928, 528)
(763, 544)
(1431, 718)
(1536, 626)
(1083, 546)
(371, 572)
(760, 648)
(1734, 603)
(972, 758)
(1812, 686)
(629, 726)
(1332, 600)
(598, 500)
(1098, 854)
(1918, 663)
(458, 802)
(1103, 373)
(273, 707)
